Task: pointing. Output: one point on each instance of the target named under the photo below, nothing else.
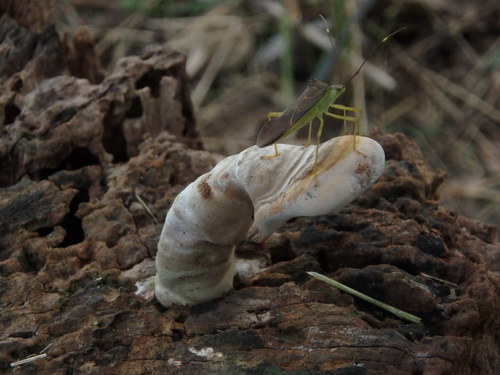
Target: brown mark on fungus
(205, 190)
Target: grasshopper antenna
(373, 51)
(335, 51)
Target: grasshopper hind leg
(272, 115)
(276, 153)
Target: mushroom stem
(245, 196)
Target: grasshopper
(315, 102)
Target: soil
(89, 165)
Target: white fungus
(246, 196)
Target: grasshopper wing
(281, 126)
(273, 129)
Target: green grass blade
(399, 313)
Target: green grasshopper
(314, 102)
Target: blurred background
(437, 81)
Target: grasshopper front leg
(309, 135)
(346, 118)
(318, 139)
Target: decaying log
(67, 123)
(85, 190)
